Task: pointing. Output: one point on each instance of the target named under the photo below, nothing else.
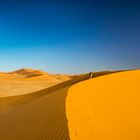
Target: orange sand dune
(105, 108)
(39, 115)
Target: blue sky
(69, 36)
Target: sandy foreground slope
(42, 119)
(105, 108)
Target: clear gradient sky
(71, 36)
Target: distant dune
(27, 80)
(27, 72)
(105, 108)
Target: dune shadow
(42, 119)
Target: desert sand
(39, 115)
(105, 108)
(41, 119)
(44, 114)
(27, 80)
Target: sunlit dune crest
(105, 108)
(27, 72)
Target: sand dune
(27, 80)
(37, 120)
(39, 115)
(9, 102)
(27, 72)
(105, 108)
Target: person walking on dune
(90, 75)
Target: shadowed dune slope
(105, 108)
(42, 119)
